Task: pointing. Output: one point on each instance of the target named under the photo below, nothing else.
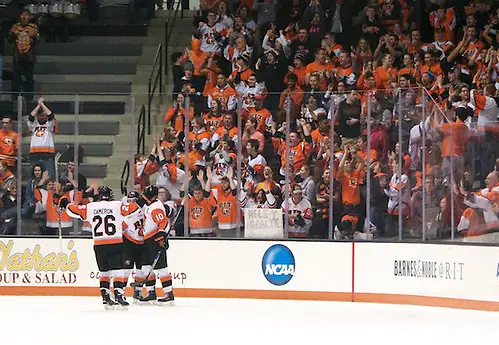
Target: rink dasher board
(457, 276)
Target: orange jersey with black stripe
(46, 198)
(298, 155)
(9, 141)
(105, 218)
(201, 215)
(262, 116)
(226, 96)
(176, 116)
(212, 121)
(6, 176)
(226, 210)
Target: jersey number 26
(109, 226)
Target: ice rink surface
(83, 320)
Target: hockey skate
(121, 302)
(168, 300)
(107, 301)
(150, 298)
(137, 294)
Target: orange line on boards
(267, 294)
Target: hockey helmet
(150, 193)
(105, 193)
(132, 196)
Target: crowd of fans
(302, 79)
(417, 72)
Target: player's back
(105, 218)
(134, 222)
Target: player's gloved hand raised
(63, 202)
(161, 240)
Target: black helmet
(133, 195)
(105, 193)
(150, 192)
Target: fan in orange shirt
(224, 93)
(195, 55)
(176, 114)
(350, 175)
(320, 66)
(213, 118)
(299, 70)
(446, 18)
(385, 73)
(9, 141)
(431, 64)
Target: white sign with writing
(263, 223)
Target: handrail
(168, 32)
(141, 131)
(124, 181)
(153, 83)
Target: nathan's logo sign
(32, 266)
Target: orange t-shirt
(315, 67)
(460, 134)
(212, 121)
(201, 213)
(262, 116)
(300, 73)
(176, 117)
(350, 186)
(8, 147)
(382, 77)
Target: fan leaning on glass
(56, 9)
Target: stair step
(90, 128)
(76, 87)
(98, 149)
(82, 67)
(88, 170)
(59, 78)
(90, 118)
(65, 104)
(110, 48)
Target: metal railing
(141, 131)
(169, 23)
(125, 175)
(155, 78)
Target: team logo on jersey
(8, 141)
(225, 207)
(40, 131)
(196, 212)
(278, 264)
(220, 169)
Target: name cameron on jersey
(103, 211)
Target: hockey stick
(155, 262)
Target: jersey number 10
(109, 226)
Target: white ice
(82, 320)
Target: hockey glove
(299, 221)
(161, 240)
(63, 202)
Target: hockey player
(133, 240)
(106, 219)
(156, 227)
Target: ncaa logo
(278, 264)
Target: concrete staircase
(181, 37)
(98, 71)
(110, 75)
